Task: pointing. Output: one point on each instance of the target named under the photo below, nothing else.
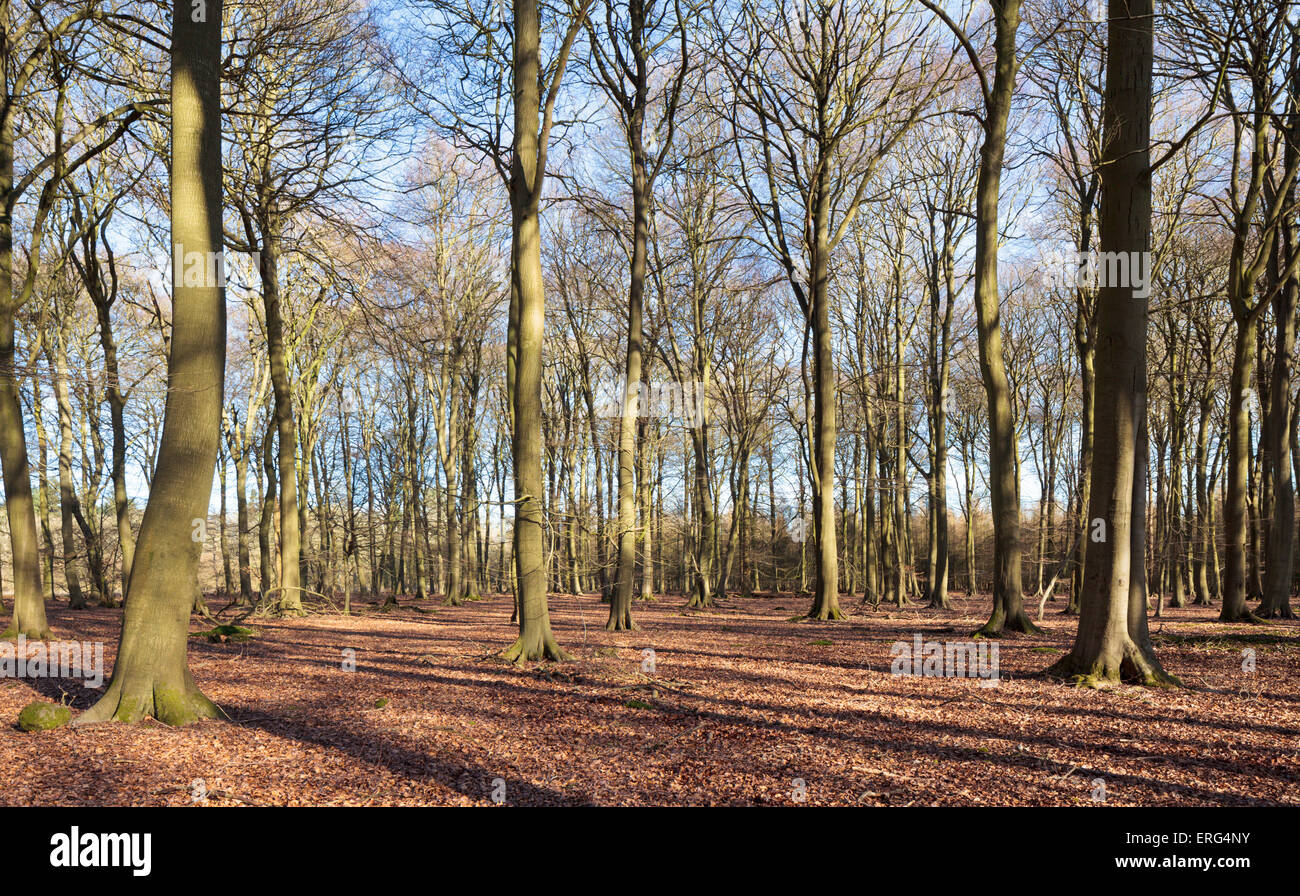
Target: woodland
(631, 402)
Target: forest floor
(743, 705)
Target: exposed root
(1245, 616)
(621, 622)
(1136, 666)
(1282, 612)
(175, 707)
(1000, 623)
(31, 634)
(826, 611)
(535, 648)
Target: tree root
(172, 706)
(1000, 623)
(31, 634)
(1136, 666)
(1245, 616)
(534, 648)
(621, 622)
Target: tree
(29, 41)
(303, 106)
(151, 676)
(1067, 73)
(997, 95)
(819, 94)
(533, 118)
(1112, 641)
(624, 58)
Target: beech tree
(151, 676)
(31, 37)
(627, 49)
(818, 94)
(1113, 640)
(533, 119)
(997, 87)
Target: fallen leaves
(741, 706)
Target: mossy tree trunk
(151, 676)
(1112, 641)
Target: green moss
(222, 634)
(821, 642)
(178, 707)
(1044, 650)
(43, 716)
(637, 704)
(31, 634)
(381, 703)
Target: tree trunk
(1281, 535)
(289, 600)
(151, 676)
(536, 641)
(826, 598)
(1112, 641)
(1235, 511)
(55, 353)
(29, 603)
(1004, 481)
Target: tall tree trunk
(151, 676)
(116, 409)
(227, 570)
(1008, 597)
(620, 607)
(289, 600)
(1112, 641)
(56, 354)
(243, 552)
(826, 586)
(1281, 535)
(536, 640)
(266, 523)
(1235, 510)
(645, 532)
(29, 604)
